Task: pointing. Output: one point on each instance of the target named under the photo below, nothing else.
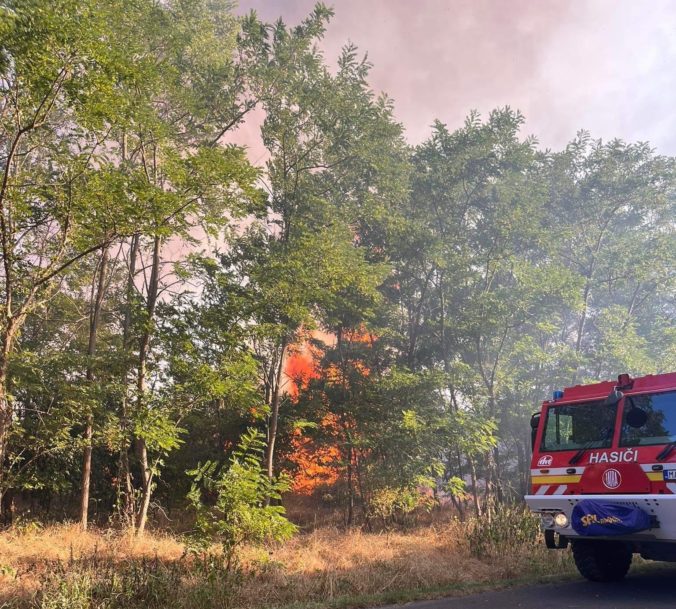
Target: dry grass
(27, 553)
(328, 564)
(323, 567)
(65, 541)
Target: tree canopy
(359, 318)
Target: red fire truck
(603, 474)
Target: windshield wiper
(580, 453)
(666, 451)
(606, 436)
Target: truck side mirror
(534, 423)
(636, 417)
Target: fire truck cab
(603, 473)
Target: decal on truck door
(611, 479)
(630, 455)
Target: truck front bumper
(662, 507)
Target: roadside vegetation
(228, 283)
(59, 566)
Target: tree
(96, 303)
(303, 263)
(613, 208)
(469, 277)
(106, 137)
(64, 80)
(185, 179)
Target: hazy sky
(608, 66)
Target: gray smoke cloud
(607, 66)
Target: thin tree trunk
(444, 346)
(274, 409)
(350, 487)
(346, 427)
(589, 278)
(5, 424)
(364, 500)
(94, 319)
(147, 481)
(6, 345)
(457, 504)
(414, 315)
(489, 486)
(524, 464)
(475, 490)
(128, 508)
(144, 347)
(583, 316)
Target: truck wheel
(602, 561)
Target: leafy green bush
(244, 502)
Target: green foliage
(245, 507)
(456, 487)
(397, 505)
(462, 278)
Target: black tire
(602, 561)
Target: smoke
(602, 65)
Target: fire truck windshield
(579, 426)
(659, 424)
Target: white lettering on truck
(629, 455)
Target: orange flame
(318, 466)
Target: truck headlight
(547, 520)
(561, 520)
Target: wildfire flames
(317, 465)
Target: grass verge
(58, 567)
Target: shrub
(245, 502)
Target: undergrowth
(513, 527)
(324, 567)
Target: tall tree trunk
(144, 348)
(524, 464)
(5, 424)
(127, 497)
(581, 323)
(475, 488)
(6, 346)
(583, 315)
(363, 499)
(350, 486)
(490, 491)
(147, 482)
(96, 302)
(274, 409)
(346, 426)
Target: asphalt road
(645, 588)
